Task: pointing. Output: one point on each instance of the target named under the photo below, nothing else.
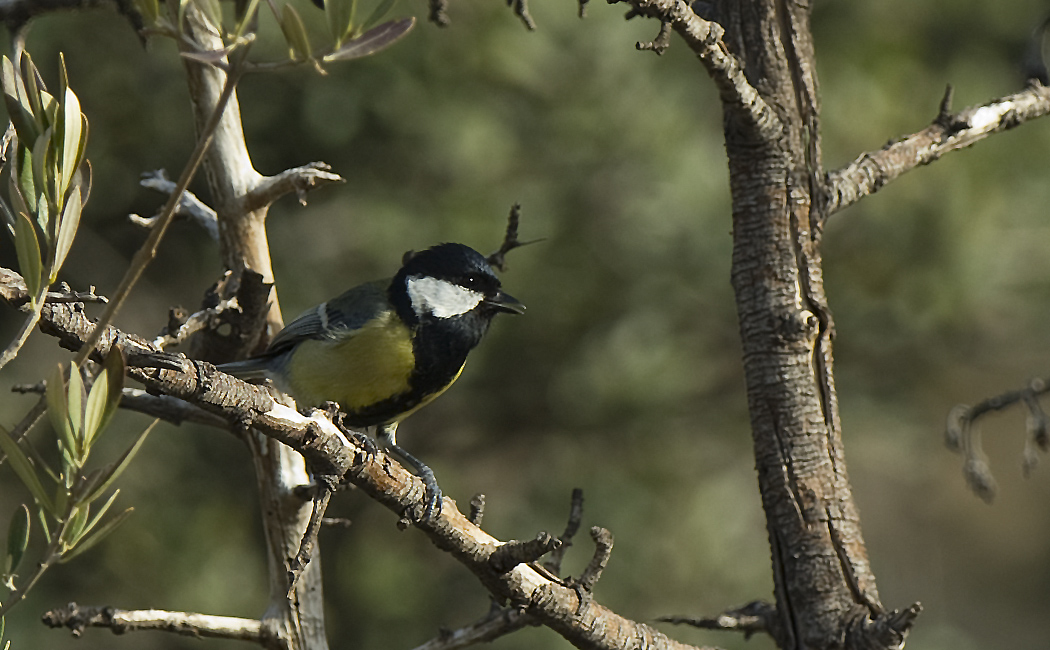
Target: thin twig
(498, 622)
(756, 616)
(27, 328)
(325, 487)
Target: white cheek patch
(440, 298)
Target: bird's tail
(248, 369)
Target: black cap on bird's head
(449, 281)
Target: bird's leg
(432, 497)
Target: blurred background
(624, 378)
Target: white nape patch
(441, 298)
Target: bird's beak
(506, 303)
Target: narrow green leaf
(72, 122)
(94, 520)
(63, 74)
(372, 41)
(28, 249)
(75, 399)
(33, 85)
(76, 526)
(67, 229)
(112, 471)
(183, 5)
(340, 16)
(81, 150)
(246, 19)
(104, 397)
(17, 103)
(49, 105)
(295, 34)
(381, 10)
(17, 539)
(115, 369)
(58, 407)
(24, 469)
(39, 168)
(95, 407)
(149, 10)
(61, 499)
(43, 220)
(102, 533)
(41, 516)
(21, 200)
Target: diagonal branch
(328, 452)
(948, 132)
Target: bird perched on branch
(384, 349)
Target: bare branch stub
(553, 562)
(889, 629)
(298, 180)
(516, 552)
(439, 12)
(521, 10)
(477, 509)
(603, 544)
(498, 260)
(660, 43)
(962, 436)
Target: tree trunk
(824, 587)
(297, 622)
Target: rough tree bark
(825, 590)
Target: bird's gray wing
(348, 311)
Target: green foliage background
(624, 377)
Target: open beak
(506, 303)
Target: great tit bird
(384, 349)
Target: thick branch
(948, 132)
(328, 452)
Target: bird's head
(449, 281)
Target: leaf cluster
(348, 36)
(44, 149)
(65, 499)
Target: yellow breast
(372, 364)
